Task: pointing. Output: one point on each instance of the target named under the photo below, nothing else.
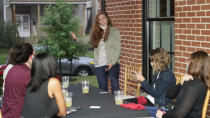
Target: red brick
(200, 38)
(205, 44)
(190, 49)
(200, 1)
(188, 43)
(190, 13)
(207, 26)
(196, 19)
(191, 2)
(195, 7)
(178, 42)
(208, 38)
(195, 31)
(196, 44)
(205, 20)
(205, 32)
(182, 48)
(187, 8)
(182, 36)
(200, 13)
(208, 1)
(182, 3)
(183, 14)
(191, 26)
(200, 26)
(182, 25)
(187, 31)
(205, 7)
(190, 37)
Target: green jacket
(112, 45)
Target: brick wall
(192, 31)
(126, 15)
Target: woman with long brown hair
(106, 41)
(191, 95)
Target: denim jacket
(162, 82)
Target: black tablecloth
(104, 100)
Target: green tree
(59, 21)
(8, 35)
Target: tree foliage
(8, 35)
(59, 20)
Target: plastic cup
(68, 99)
(64, 90)
(65, 81)
(118, 97)
(85, 86)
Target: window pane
(152, 8)
(166, 35)
(171, 7)
(163, 8)
(156, 35)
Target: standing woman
(191, 95)
(44, 97)
(106, 41)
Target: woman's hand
(73, 36)
(109, 66)
(139, 76)
(187, 78)
(159, 114)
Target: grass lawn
(3, 55)
(92, 79)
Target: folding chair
(131, 84)
(205, 105)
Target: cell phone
(107, 67)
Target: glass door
(23, 22)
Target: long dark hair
(43, 68)
(97, 32)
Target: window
(159, 29)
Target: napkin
(142, 100)
(133, 106)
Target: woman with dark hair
(44, 97)
(163, 79)
(17, 80)
(106, 41)
(191, 95)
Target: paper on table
(151, 99)
(95, 107)
(128, 96)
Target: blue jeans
(102, 77)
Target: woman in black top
(191, 95)
(44, 97)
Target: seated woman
(44, 97)
(191, 95)
(163, 79)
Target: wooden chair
(130, 82)
(179, 78)
(205, 105)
